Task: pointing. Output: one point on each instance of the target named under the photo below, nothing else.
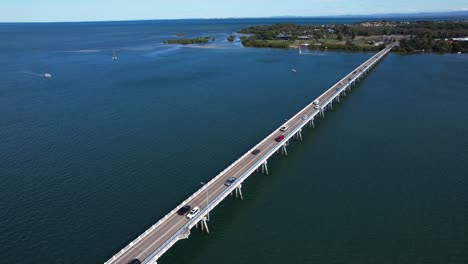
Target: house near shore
(458, 39)
(284, 36)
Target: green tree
(456, 46)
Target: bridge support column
(283, 150)
(322, 112)
(331, 105)
(312, 124)
(239, 192)
(204, 224)
(338, 98)
(265, 167)
(299, 134)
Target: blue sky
(98, 10)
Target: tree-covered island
(436, 36)
(187, 41)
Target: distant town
(414, 36)
(436, 36)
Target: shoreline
(407, 37)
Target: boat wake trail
(46, 75)
(157, 53)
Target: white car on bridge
(193, 212)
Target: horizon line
(395, 14)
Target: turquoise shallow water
(93, 156)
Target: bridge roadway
(155, 241)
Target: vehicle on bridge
(255, 152)
(193, 212)
(284, 128)
(316, 102)
(183, 210)
(304, 117)
(317, 107)
(134, 261)
(230, 181)
(279, 138)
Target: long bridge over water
(159, 238)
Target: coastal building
(284, 36)
(460, 39)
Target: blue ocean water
(94, 155)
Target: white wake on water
(45, 75)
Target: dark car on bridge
(279, 138)
(183, 210)
(134, 261)
(255, 152)
(230, 181)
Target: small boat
(47, 75)
(293, 69)
(114, 57)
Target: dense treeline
(413, 36)
(348, 46)
(430, 29)
(259, 43)
(199, 40)
(423, 44)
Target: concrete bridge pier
(283, 150)
(322, 112)
(265, 167)
(204, 224)
(312, 124)
(239, 192)
(299, 135)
